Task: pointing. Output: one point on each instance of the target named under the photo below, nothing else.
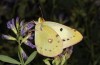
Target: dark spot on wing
(56, 46)
(68, 39)
(57, 35)
(63, 40)
(61, 29)
(58, 41)
(40, 47)
(50, 50)
(45, 49)
(73, 35)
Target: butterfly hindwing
(47, 41)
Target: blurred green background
(83, 15)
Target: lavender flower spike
(29, 25)
(8, 37)
(17, 23)
(28, 43)
(11, 25)
(26, 27)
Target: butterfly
(51, 37)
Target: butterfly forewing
(68, 35)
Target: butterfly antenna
(41, 11)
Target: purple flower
(23, 54)
(11, 25)
(69, 50)
(17, 23)
(17, 19)
(20, 28)
(8, 37)
(63, 57)
(25, 27)
(31, 37)
(28, 43)
(30, 25)
(21, 23)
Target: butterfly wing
(68, 35)
(47, 41)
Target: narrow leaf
(46, 61)
(31, 57)
(63, 60)
(56, 61)
(8, 59)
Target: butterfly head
(41, 20)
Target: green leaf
(56, 61)
(63, 60)
(30, 58)
(46, 61)
(8, 59)
(25, 38)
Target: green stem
(19, 47)
(19, 54)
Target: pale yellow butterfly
(51, 37)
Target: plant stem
(19, 47)
(19, 53)
(19, 56)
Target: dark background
(83, 15)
